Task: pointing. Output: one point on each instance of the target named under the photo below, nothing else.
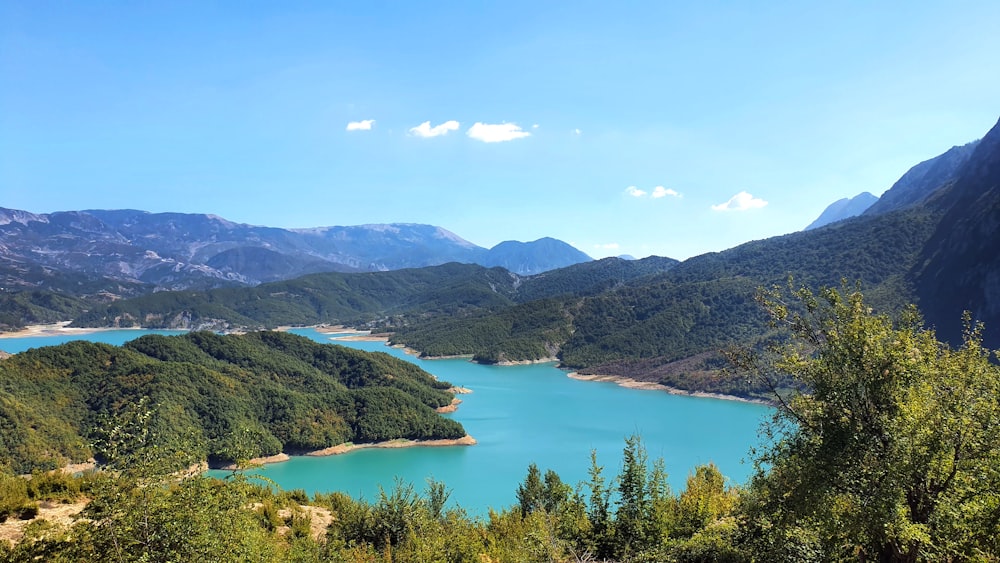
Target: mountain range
(930, 240)
(129, 252)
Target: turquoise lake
(519, 415)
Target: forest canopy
(227, 398)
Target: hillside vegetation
(318, 298)
(891, 456)
(629, 318)
(227, 398)
(38, 307)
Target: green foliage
(706, 499)
(632, 517)
(530, 492)
(648, 522)
(227, 398)
(13, 495)
(892, 453)
(450, 289)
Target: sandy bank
(526, 362)
(651, 386)
(54, 329)
(420, 355)
(74, 468)
(346, 333)
(401, 443)
(62, 515)
(350, 447)
(450, 408)
(264, 460)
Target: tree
(632, 517)
(704, 500)
(531, 493)
(599, 509)
(890, 454)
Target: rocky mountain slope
(191, 251)
(959, 268)
(923, 180)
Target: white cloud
(496, 132)
(425, 129)
(577, 132)
(363, 125)
(608, 246)
(740, 202)
(660, 191)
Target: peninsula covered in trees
(217, 398)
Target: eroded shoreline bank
(630, 383)
(348, 447)
(61, 328)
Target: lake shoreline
(630, 383)
(349, 447)
(61, 328)
(623, 381)
(353, 334)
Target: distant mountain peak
(8, 216)
(182, 250)
(527, 258)
(843, 209)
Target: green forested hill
(630, 318)
(225, 397)
(454, 290)
(22, 308)
(318, 298)
(529, 331)
(591, 278)
(699, 306)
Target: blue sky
(621, 127)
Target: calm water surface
(520, 415)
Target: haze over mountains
(183, 251)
